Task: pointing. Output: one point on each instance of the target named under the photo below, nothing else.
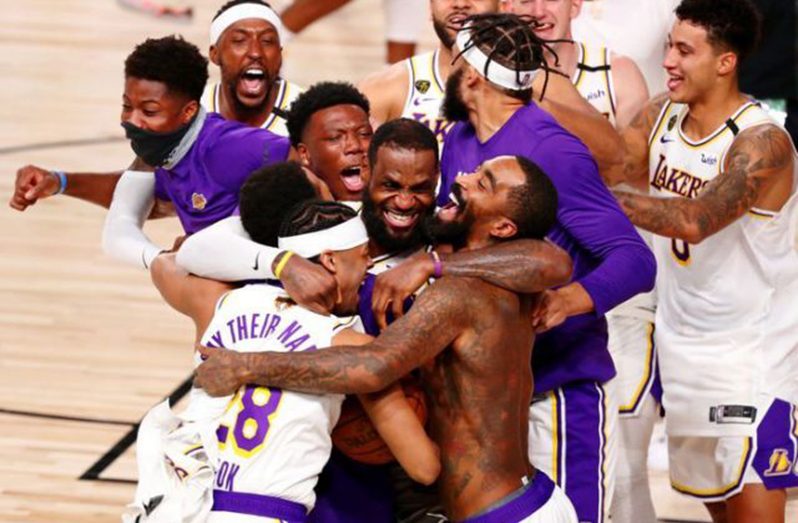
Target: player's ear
(471, 76)
(213, 54)
(503, 228)
(189, 111)
(304, 156)
(727, 63)
(329, 261)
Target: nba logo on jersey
(198, 201)
(672, 122)
(780, 464)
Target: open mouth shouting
(454, 207)
(353, 178)
(252, 83)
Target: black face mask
(154, 148)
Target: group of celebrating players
(465, 219)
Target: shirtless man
(470, 339)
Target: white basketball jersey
(593, 78)
(272, 442)
(425, 92)
(276, 122)
(727, 327)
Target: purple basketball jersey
(204, 185)
(610, 259)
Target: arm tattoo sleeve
(524, 266)
(756, 154)
(438, 317)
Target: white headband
(242, 12)
(341, 237)
(497, 74)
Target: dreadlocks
(509, 40)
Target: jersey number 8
(256, 408)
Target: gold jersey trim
(717, 133)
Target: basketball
(356, 437)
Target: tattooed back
(479, 390)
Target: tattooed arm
(439, 316)
(634, 167)
(757, 158)
(524, 266)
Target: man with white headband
(571, 420)
(472, 342)
(246, 38)
(274, 443)
(414, 88)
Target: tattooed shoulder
(761, 150)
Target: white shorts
(716, 468)
(573, 439)
(631, 344)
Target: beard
(454, 233)
(442, 33)
(453, 108)
(379, 232)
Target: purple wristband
(437, 266)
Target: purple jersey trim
(777, 446)
(258, 505)
(520, 504)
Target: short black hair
(403, 133)
(268, 195)
(731, 24)
(509, 40)
(533, 206)
(171, 61)
(321, 96)
(233, 3)
(315, 215)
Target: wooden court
(86, 344)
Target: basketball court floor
(86, 344)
